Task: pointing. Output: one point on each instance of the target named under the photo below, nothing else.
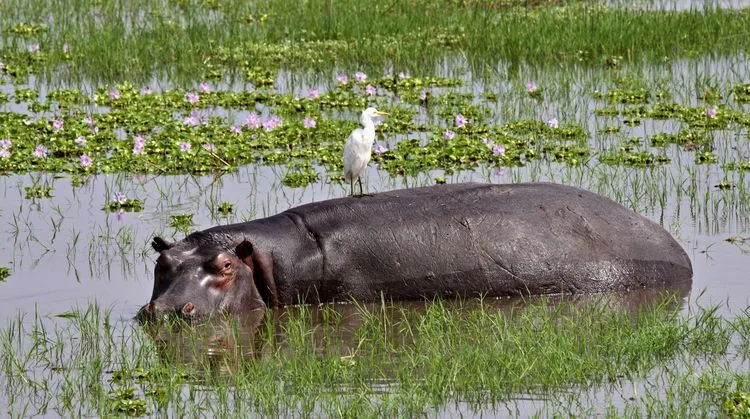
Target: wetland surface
(224, 117)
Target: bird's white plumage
(359, 146)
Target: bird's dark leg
(359, 180)
(351, 183)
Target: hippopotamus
(442, 241)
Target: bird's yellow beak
(380, 113)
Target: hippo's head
(198, 277)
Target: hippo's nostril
(150, 307)
(188, 308)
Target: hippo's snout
(154, 310)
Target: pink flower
(272, 123)
(146, 90)
(34, 48)
(191, 120)
(209, 147)
(370, 90)
(192, 97)
(380, 149)
(120, 198)
(57, 125)
(204, 87)
(235, 129)
(253, 121)
(4, 153)
(40, 151)
(498, 150)
(449, 135)
(360, 76)
(185, 147)
(309, 123)
(552, 123)
(531, 87)
(114, 94)
(460, 121)
(5, 143)
(487, 141)
(711, 112)
(85, 161)
(88, 121)
(342, 78)
(313, 93)
(81, 141)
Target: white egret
(358, 147)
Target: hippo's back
(470, 238)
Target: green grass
(349, 360)
(177, 40)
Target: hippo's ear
(160, 244)
(244, 252)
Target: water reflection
(219, 346)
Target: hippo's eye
(227, 265)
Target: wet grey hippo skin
(448, 240)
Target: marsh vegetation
(120, 121)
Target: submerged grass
(349, 360)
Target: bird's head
(371, 114)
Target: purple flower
(448, 134)
(185, 147)
(81, 141)
(487, 141)
(57, 125)
(342, 78)
(380, 149)
(272, 123)
(191, 120)
(531, 87)
(552, 123)
(40, 151)
(114, 94)
(66, 48)
(370, 90)
(85, 161)
(88, 120)
(204, 87)
(120, 198)
(4, 153)
(253, 121)
(309, 123)
(423, 95)
(313, 93)
(498, 150)
(192, 97)
(360, 76)
(460, 121)
(235, 129)
(403, 75)
(138, 149)
(146, 90)
(5, 143)
(34, 48)
(711, 112)
(209, 147)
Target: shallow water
(65, 251)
